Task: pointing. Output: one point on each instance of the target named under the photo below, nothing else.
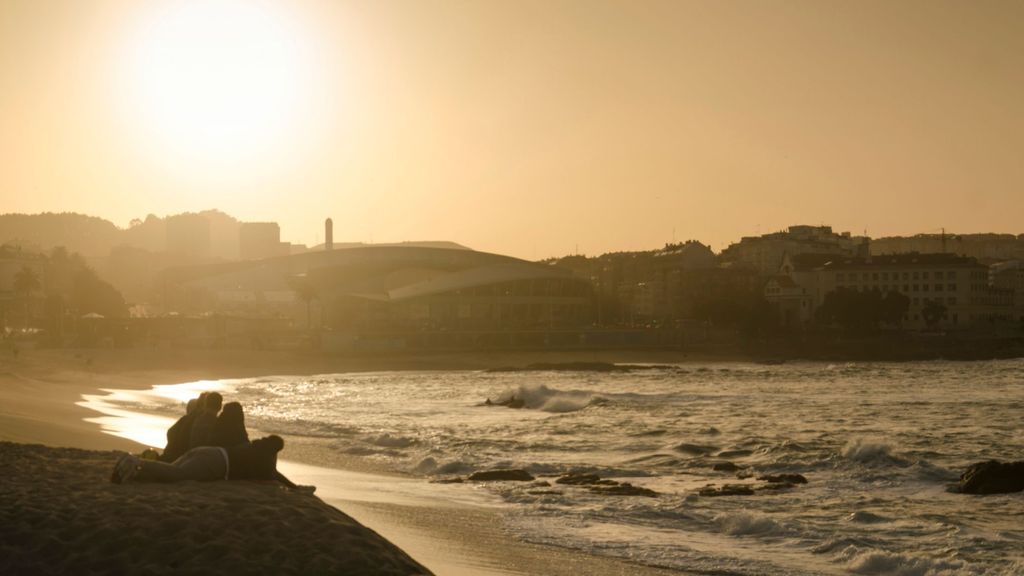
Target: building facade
(765, 253)
(959, 284)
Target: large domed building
(397, 295)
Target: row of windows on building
(906, 287)
(875, 276)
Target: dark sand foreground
(59, 514)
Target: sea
(880, 445)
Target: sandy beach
(59, 501)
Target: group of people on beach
(209, 442)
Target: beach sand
(60, 512)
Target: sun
(217, 81)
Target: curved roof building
(394, 287)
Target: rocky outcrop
(604, 486)
(783, 478)
(623, 489)
(582, 367)
(727, 490)
(992, 477)
(501, 475)
(578, 479)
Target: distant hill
(95, 237)
(87, 235)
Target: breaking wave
(540, 397)
(907, 564)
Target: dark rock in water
(497, 475)
(727, 490)
(783, 478)
(695, 449)
(513, 401)
(449, 480)
(582, 367)
(725, 467)
(992, 477)
(775, 486)
(624, 489)
(575, 479)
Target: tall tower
(328, 234)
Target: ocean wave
(859, 561)
(927, 471)
(545, 399)
(872, 452)
(863, 517)
(389, 441)
(747, 524)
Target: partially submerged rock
(724, 467)
(500, 475)
(783, 478)
(623, 489)
(449, 480)
(582, 367)
(604, 486)
(992, 477)
(727, 490)
(577, 479)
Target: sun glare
(218, 81)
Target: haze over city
(529, 128)
(512, 287)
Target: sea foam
(541, 397)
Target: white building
(960, 284)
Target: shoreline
(39, 390)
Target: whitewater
(879, 445)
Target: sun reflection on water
(135, 423)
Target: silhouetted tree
(863, 311)
(932, 312)
(749, 313)
(306, 292)
(26, 281)
(92, 294)
(894, 308)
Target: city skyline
(533, 130)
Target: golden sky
(520, 127)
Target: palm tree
(307, 293)
(26, 281)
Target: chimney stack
(329, 234)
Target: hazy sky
(519, 127)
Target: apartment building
(959, 283)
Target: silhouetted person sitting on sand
(206, 419)
(179, 433)
(230, 427)
(255, 461)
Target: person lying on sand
(255, 461)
